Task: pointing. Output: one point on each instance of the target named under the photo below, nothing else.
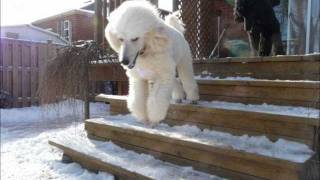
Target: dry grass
(66, 76)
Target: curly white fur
(151, 50)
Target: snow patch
(34, 158)
(63, 109)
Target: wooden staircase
(219, 137)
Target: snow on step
(264, 108)
(209, 76)
(143, 164)
(261, 145)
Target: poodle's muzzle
(127, 62)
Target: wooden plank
(287, 70)
(293, 93)
(93, 163)
(263, 92)
(10, 74)
(238, 132)
(254, 100)
(223, 157)
(263, 83)
(283, 58)
(111, 72)
(182, 161)
(16, 53)
(34, 73)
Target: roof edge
(70, 12)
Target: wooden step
(290, 93)
(306, 67)
(123, 164)
(204, 153)
(236, 121)
(299, 67)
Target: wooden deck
(270, 86)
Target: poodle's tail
(174, 21)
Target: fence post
(87, 95)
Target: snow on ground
(265, 108)
(65, 108)
(282, 149)
(25, 152)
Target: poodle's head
(135, 29)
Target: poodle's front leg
(185, 71)
(136, 103)
(159, 100)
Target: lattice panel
(199, 17)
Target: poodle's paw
(193, 98)
(157, 109)
(178, 92)
(194, 102)
(177, 101)
(193, 94)
(142, 117)
(152, 124)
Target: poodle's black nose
(125, 61)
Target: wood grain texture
(256, 92)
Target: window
(12, 35)
(166, 5)
(66, 30)
(49, 29)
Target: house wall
(81, 25)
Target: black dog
(261, 24)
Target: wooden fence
(21, 63)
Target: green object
(237, 48)
(230, 2)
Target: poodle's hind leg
(137, 98)
(177, 92)
(190, 86)
(159, 100)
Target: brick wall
(82, 25)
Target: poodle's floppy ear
(156, 41)
(112, 39)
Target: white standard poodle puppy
(151, 51)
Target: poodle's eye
(134, 39)
(120, 39)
